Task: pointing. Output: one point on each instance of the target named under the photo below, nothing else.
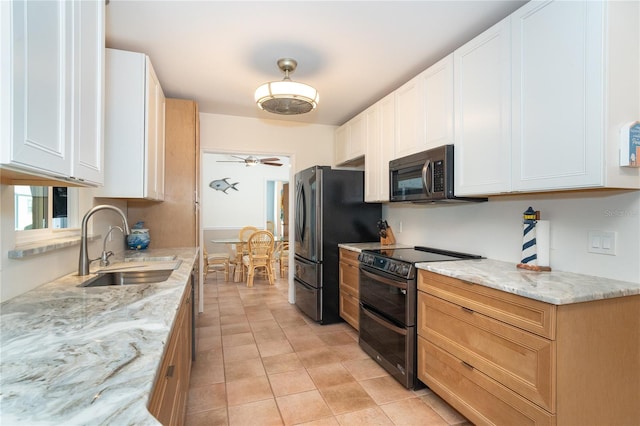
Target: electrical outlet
(602, 242)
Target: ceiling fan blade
(228, 161)
(270, 159)
(239, 158)
(272, 164)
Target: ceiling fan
(253, 161)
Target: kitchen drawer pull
(467, 310)
(170, 371)
(469, 366)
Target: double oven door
(388, 322)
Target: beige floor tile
(412, 412)
(274, 348)
(241, 352)
(289, 382)
(206, 343)
(318, 357)
(330, 375)
(336, 338)
(326, 421)
(282, 363)
(206, 372)
(215, 417)
(366, 417)
(228, 329)
(248, 390)
(302, 407)
(269, 335)
(210, 330)
(237, 339)
(236, 370)
(347, 397)
(349, 351)
(233, 319)
(206, 397)
(264, 324)
(263, 413)
(386, 389)
(363, 369)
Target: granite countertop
(370, 246)
(72, 355)
(555, 287)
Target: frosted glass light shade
(286, 97)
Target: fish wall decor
(223, 185)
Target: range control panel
(392, 266)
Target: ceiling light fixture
(287, 97)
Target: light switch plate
(602, 242)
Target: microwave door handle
(427, 172)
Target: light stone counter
(369, 246)
(558, 288)
(80, 356)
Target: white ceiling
(354, 52)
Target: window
(43, 210)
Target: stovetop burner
(401, 261)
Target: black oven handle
(426, 169)
(382, 322)
(401, 285)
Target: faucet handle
(104, 259)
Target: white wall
(494, 229)
(306, 144)
(245, 206)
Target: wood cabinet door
(558, 95)
(482, 70)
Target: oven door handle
(382, 322)
(400, 285)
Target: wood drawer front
(528, 314)
(479, 398)
(350, 309)
(349, 256)
(350, 279)
(520, 360)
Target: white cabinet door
(372, 156)
(41, 68)
(558, 95)
(341, 145)
(482, 153)
(350, 140)
(134, 128)
(51, 119)
(88, 127)
(438, 83)
(410, 117)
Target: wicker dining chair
(241, 250)
(259, 256)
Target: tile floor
(262, 362)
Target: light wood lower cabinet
(350, 288)
(169, 396)
(499, 358)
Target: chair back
(246, 232)
(270, 226)
(260, 247)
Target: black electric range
(401, 261)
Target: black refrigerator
(329, 210)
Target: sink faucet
(83, 263)
(104, 258)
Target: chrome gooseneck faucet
(84, 262)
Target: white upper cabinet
(350, 141)
(134, 128)
(542, 96)
(562, 52)
(424, 110)
(410, 117)
(380, 120)
(482, 153)
(53, 59)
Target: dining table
(237, 274)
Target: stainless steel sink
(150, 258)
(128, 277)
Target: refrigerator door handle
(300, 213)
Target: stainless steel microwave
(424, 177)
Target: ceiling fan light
(286, 97)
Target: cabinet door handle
(467, 310)
(170, 371)
(469, 366)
